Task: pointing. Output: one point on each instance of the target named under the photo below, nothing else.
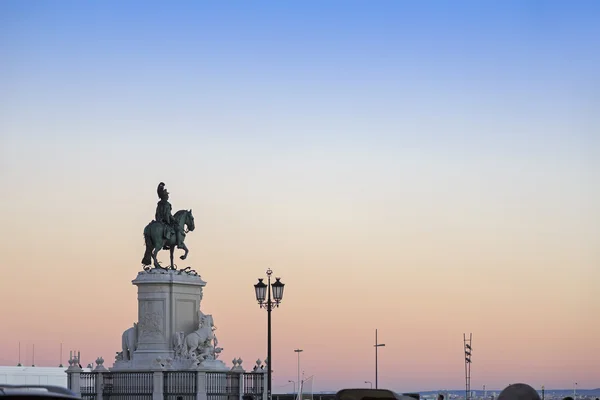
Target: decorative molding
(158, 288)
(168, 276)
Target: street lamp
(264, 291)
(543, 392)
(293, 382)
(298, 351)
(370, 383)
(377, 346)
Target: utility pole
(299, 383)
(377, 346)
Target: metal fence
(179, 385)
(254, 384)
(176, 385)
(88, 385)
(222, 386)
(128, 385)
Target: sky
(426, 169)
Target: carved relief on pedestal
(151, 320)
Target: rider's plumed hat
(161, 191)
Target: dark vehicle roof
(23, 392)
(369, 394)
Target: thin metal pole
(270, 363)
(543, 392)
(377, 346)
(376, 362)
(299, 382)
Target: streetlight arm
(269, 306)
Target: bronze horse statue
(158, 235)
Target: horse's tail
(148, 240)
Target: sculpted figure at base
(129, 343)
(199, 345)
(166, 231)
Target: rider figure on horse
(163, 215)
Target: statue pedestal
(168, 302)
(214, 365)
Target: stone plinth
(168, 302)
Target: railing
(222, 386)
(170, 385)
(87, 385)
(179, 385)
(254, 384)
(128, 385)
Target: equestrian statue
(166, 231)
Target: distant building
(34, 375)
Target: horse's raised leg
(184, 247)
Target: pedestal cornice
(160, 276)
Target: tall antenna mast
(19, 364)
(468, 351)
(60, 364)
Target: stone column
(74, 377)
(241, 387)
(99, 385)
(201, 385)
(99, 371)
(158, 386)
(168, 302)
(265, 394)
(239, 370)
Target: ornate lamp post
(264, 291)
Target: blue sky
(496, 81)
(392, 62)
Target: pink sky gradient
(521, 276)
